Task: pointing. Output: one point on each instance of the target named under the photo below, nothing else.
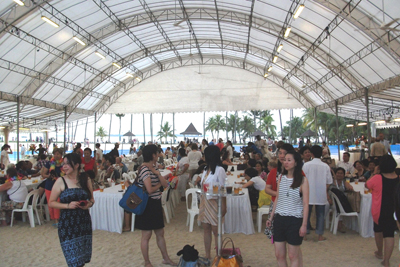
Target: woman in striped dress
(208, 214)
(290, 210)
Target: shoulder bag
(230, 257)
(135, 198)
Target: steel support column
(18, 107)
(368, 125)
(337, 129)
(65, 129)
(144, 131)
(316, 126)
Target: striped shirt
(145, 173)
(289, 201)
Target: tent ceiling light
(362, 123)
(279, 48)
(397, 119)
(381, 121)
(129, 74)
(2, 127)
(298, 11)
(269, 69)
(288, 29)
(275, 59)
(349, 125)
(49, 21)
(19, 2)
(79, 40)
(45, 130)
(100, 55)
(22, 128)
(116, 65)
(138, 78)
(266, 75)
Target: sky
(182, 121)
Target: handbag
(354, 199)
(135, 198)
(230, 257)
(269, 230)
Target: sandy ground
(39, 246)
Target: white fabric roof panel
(270, 15)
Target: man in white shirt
(385, 143)
(261, 144)
(345, 164)
(319, 178)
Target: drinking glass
(215, 188)
(101, 188)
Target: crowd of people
(293, 181)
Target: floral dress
(75, 228)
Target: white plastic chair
(44, 208)
(165, 205)
(27, 208)
(336, 215)
(260, 212)
(194, 208)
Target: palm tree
(101, 132)
(266, 123)
(297, 129)
(256, 115)
(219, 124)
(211, 125)
(165, 132)
(247, 126)
(119, 115)
(233, 121)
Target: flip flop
(323, 239)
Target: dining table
(366, 228)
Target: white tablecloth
(106, 213)
(365, 216)
(29, 182)
(238, 218)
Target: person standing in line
(194, 156)
(378, 148)
(76, 197)
(290, 211)
(319, 178)
(220, 144)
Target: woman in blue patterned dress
(75, 225)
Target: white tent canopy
(338, 52)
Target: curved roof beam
(239, 18)
(364, 22)
(286, 23)
(325, 34)
(233, 46)
(60, 57)
(86, 36)
(230, 61)
(219, 29)
(16, 13)
(191, 30)
(160, 28)
(125, 29)
(249, 31)
(226, 16)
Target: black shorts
(287, 228)
(387, 228)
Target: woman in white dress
(5, 160)
(194, 157)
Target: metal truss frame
(191, 30)
(347, 9)
(286, 23)
(160, 28)
(123, 27)
(248, 34)
(210, 60)
(220, 31)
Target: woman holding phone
(75, 225)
